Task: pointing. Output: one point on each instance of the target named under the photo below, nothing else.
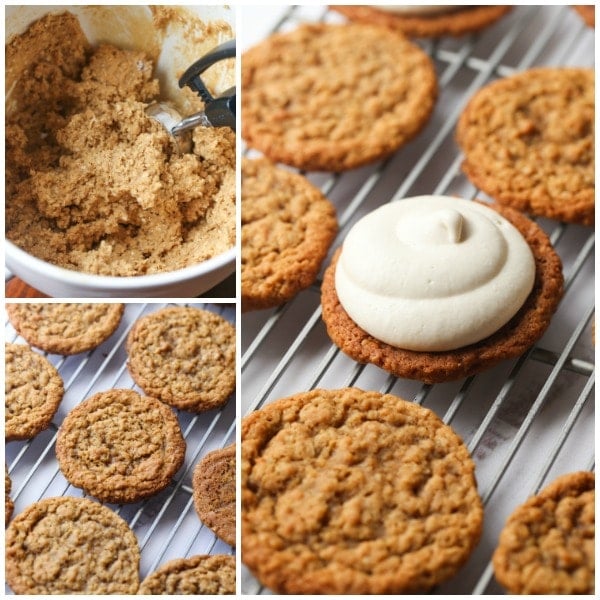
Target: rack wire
(525, 421)
(166, 525)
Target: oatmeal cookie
(214, 492)
(183, 356)
(65, 328)
(71, 546)
(334, 97)
(9, 505)
(287, 228)
(528, 141)
(120, 447)
(547, 544)
(202, 574)
(355, 492)
(33, 390)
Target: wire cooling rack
(525, 421)
(166, 525)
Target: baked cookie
(8, 503)
(33, 390)
(414, 22)
(510, 341)
(67, 328)
(214, 492)
(120, 447)
(335, 97)
(587, 13)
(287, 228)
(71, 546)
(547, 544)
(354, 492)
(528, 141)
(183, 356)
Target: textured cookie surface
(520, 333)
(547, 544)
(305, 105)
(33, 390)
(183, 356)
(9, 505)
(65, 328)
(214, 492)
(119, 446)
(71, 546)
(528, 141)
(354, 492)
(205, 574)
(287, 228)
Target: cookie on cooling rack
(120, 447)
(33, 390)
(426, 21)
(71, 546)
(9, 505)
(335, 97)
(202, 574)
(183, 356)
(287, 228)
(528, 142)
(214, 492)
(355, 492)
(66, 328)
(547, 544)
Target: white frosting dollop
(433, 273)
(421, 10)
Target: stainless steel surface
(525, 421)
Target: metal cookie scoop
(218, 112)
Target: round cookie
(287, 228)
(310, 107)
(9, 505)
(120, 447)
(183, 356)
(214, 492)
(547, 544)
(203, 574)
(355, 492)
(528, 141)
(66, 328)
(33, 390)
(514, 338)
(457, 22)
(71, 546)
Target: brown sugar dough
(104, 189)
(287, 228)
(355, 492)
(307, 106)
(9, 505)
(69, 546)
(528, 141)
(547, 544)
(33, 390)
(120, 447)
(514, 338)
(65, 328)
(183, 356)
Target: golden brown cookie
(547, 544)
(455, 22)
(334, 97)
(528, 141)
(9, 505)
(202, 574)
(183, 356)
(65, 328)
(120, 447)
(587, 13)
(287, 228)
(355, 492)
(514, 338)
(71, 546)
(33, 390)
(214, 492)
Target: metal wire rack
(525, 421)
(166, 525)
